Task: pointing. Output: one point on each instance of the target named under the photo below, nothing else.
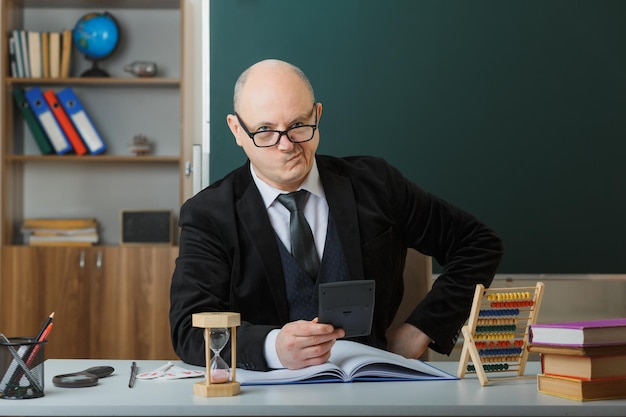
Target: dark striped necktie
(302, 243)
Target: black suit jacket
(229, 258)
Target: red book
(66, 124)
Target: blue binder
(81, 120)
(48, 122)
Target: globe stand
(95, 71)
(211, 387)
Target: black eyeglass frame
(280, 132)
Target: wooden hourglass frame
(215, 320)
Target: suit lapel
(342, 207)
(255, 222)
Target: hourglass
(219, 371)
(220, 381)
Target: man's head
(275, 95)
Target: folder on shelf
(45, 54)
(55, 54)
(34, 53)
(81, 120)
(19, 61)
(66, 52)
(31, 120)
(12, 57)
(64, 121)
(50, 125)
(24, 49)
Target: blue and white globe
(96, 35)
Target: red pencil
(44, 327)
(44, 336)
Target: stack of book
(60, 232)
(583, 360)
(35, 54)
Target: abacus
(496, 333)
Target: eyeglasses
(268, 138)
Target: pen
(133, 374)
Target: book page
(326, 372)
(349, 361)
(362, 361)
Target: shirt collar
(312, 183)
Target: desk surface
(466, 397)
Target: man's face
(277, 100)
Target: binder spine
(65, 123)
(81, 120)
(31, 120)
(43, 112)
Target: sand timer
(219, 371)
(219, 329)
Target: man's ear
(235, 128)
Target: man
(235, 239)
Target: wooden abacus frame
(497, 330)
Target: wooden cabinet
(109, 302)
(130, 303)
(38, 281)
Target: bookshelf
(120, 106)
(35, 185)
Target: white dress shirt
(316, 213)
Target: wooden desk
(175, 397)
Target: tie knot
(293, 201)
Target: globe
(96, 35)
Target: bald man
(235, 243)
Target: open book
(350, 361)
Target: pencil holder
(21, 368)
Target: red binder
(65, 123)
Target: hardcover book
(59, 223)
(582, 390)
(580, 333)
(34, 53)
(579, 350)
(349, 362)
(584, 367)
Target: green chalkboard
(513, 110)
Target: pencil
(44, 327)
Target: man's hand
(408, 341)
(304, 343)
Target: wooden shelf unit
(107, 288)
